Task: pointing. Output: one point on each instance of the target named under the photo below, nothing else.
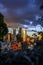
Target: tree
(3, 27)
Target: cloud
(20, 10)
(3, 10)
(14, 3)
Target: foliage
(3, 27)
(40, 32)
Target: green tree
(3, 27)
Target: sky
(21, 11)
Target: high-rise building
(9, 37)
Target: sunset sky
(21, 11)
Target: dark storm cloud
(19, 10)
(14, 3)
(3, 10)
(15, 7)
